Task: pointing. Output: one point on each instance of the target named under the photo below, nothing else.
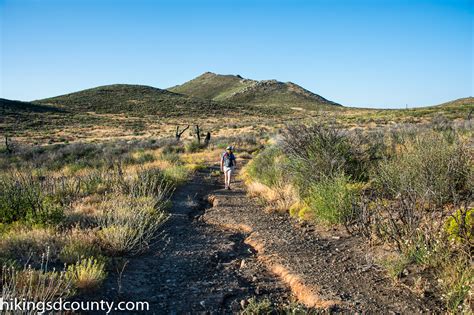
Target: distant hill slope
(10, 106)
(460, 102)
(234, 88)
(139, 100)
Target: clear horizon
(383, 54)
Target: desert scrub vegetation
(35, 284)
(409, 188)
(25, 197)
(83, 206)
(326, 168)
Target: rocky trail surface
(220, 248)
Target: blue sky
(385, 53)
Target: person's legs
(229, 177)
(226, 175)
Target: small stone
(243, 304)
(242, 263)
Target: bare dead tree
(207, 139)
(179, 133)
(198, 133)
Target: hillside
(140, 100)
(467, 102)
(239, 90)
(459, 108)
(10, 106)
(18, 117)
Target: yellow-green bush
(460, 226)
(258, 307)
(192, 147)
(87, 274)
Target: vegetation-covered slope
(239, 90)
(140, 100)
(10, 106)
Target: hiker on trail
(228, 164)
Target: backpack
(228, 160)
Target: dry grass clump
(80, 244)
(27, 245)
(87, 274)
(82, 213)
(277, 198)
(128, 225)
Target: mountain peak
(235, 88)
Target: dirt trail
(323, 270)
(214, 255)
(195, 267)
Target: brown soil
(220, 248)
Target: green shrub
(27, 245)
(23, 197)
(149, 183)
(428, 168)
(170, 148)
(318, 151)
(93, 182)
(192, 147)
(268, 166)
(144, 158)
(331, 199)
(257, 307)
(456, 279)
(172, 157)
(395, 266)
